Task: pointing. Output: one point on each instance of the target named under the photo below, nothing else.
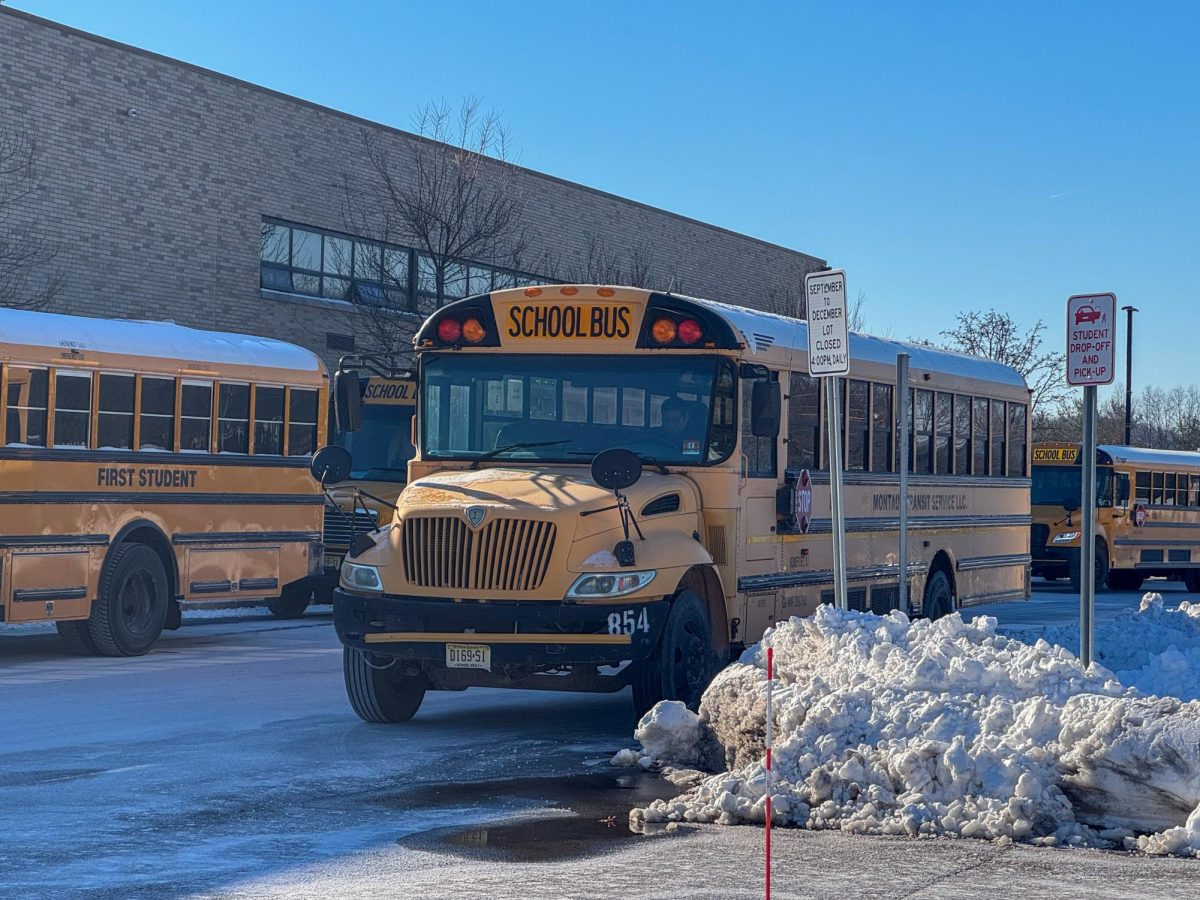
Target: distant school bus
(380, 447)
(1147, 515)
(144, 463)
(507, 563)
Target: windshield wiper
(523, 445)
(646, 460)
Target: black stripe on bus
(32, 595)
(917, 523)
(245, 537)
(892, 479)
(258, 584)
(1161, 542)
(153, 457)
(159, 499)
(54, 540)
(993, 597)
(212, 587)
(994, 562)
(752, 584)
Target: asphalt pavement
(227, 763)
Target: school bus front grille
(503, 555)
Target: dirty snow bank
(889, 727)
(1155, 649)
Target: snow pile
(936, 728)
(1154, 648)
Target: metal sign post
(1091, 329)
(903, 415)
(829, 355)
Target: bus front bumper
(519, 633)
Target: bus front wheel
(1100, 578)
(685, 661)
(131, 609)
(77, 638)
(378, 691)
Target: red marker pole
(770, 680)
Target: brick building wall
(157, 175)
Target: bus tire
(1191, 581)
(292, 603)
(939, 596)
(1125, 579)
(381, 695)
(76, 638)
(131, 609)
(684, 663)
(1100, 578)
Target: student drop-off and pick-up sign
(1091, 334)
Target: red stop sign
(802, 502)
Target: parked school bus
(507, 564)
(380, 447)
(143, 463)
(1147, 515)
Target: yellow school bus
(143, 463)
(1147, 515)
(524, 555)
(380, 446)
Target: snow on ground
(887, 726)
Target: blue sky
(949, 156)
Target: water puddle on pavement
(590, 815)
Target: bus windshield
(678, 410)
(1054, 485)
(382, 447)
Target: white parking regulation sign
(828, 333)
(1091, 338)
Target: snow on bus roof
(150, 339)
(787, 332)
(1150, 457)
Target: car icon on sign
(1086, 314)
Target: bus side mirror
(765, 407)
(1122, 492)
(347, 401)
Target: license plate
(333, 562)
(469, 656)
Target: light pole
(1129, 311)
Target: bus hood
(568, 490)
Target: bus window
(942, 409)
(72, 408)
(1016, 440)
(962, 435)
(1156, 489)
(1104, 485)
(115, 423)
(1183, 490)
(302, 422)
(195, 417)
(233, 418)
(1122, 498)
(922, 430)
(758, 452)
(998, 448)
(858, 425)
(28, 391)
(1169, 489)
(157, 425)
(1194, 491)
(881, 428)
(1142, 483)
(979, 443)
(268, 420)
(804, 422)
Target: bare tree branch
(994, 335)
(28, 277)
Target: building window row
(950, 434)
(297, 259)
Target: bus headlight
(1066, 537)
(610, 584)
(362, 578)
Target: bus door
(759, 480)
